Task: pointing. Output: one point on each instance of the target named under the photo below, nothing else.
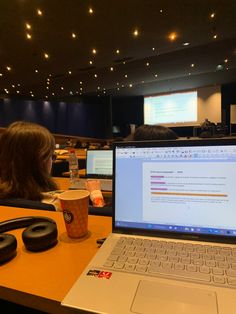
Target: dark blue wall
(87, 118)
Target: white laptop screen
(186, 187)
(99, 163)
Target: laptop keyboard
(209, 264)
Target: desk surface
(41, 280)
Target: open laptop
(172, 247)
(98, 166)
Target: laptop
(98, 166)
(172, 247)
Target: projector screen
(171, 109)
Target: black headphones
(41, 234)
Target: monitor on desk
(99, 163)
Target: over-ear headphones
(41, 234)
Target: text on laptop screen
(180, 189)
(99, 162)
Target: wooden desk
(41, 280)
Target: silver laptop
(98, 166)
(172, 247)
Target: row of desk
(41, 280)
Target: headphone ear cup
(40, 236)
(8, 245)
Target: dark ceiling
(201, 52)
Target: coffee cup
(74, 206)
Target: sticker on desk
(99, 273)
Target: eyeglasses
(54, 157)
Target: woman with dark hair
(153, 132)
(26, 156)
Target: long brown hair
(25, 149)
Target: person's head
(153, 132)
(26, 156)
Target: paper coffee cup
(74, 206)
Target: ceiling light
(90, 11)
(153, 49)
(117, 51)
(53, 94)
(156, 75)
(94, 51)
(91, 62)
(111, 68)
(46, 55)
(172, 36)
(73, 35)
(215, 36)
(70, 72)
(28, 26)
(28, 36)
(126, 75)
(186, 44)
(8, 68)
(18, 91)
(135, 33)
(39, 12)
(147, 64)
(13, 85)
(226, 60)
(47, 87)
(130, 85)
(192, 65)
(18, 84)
(212, 15)
(95, 75)
(81, 82)
(36, 71)
(98, 87)
(62, 88)
(48, 82)
(219, 67)
(1, 74)
(161, 11)
(118, 88)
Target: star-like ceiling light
(136, 32)
(172, 36)
(39, 12)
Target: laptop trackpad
(171, 298)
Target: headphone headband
(22, 222)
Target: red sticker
(105, 274)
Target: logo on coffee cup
(68, 216)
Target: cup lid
(73, 194)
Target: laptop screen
(181, 186)
(99, 163)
